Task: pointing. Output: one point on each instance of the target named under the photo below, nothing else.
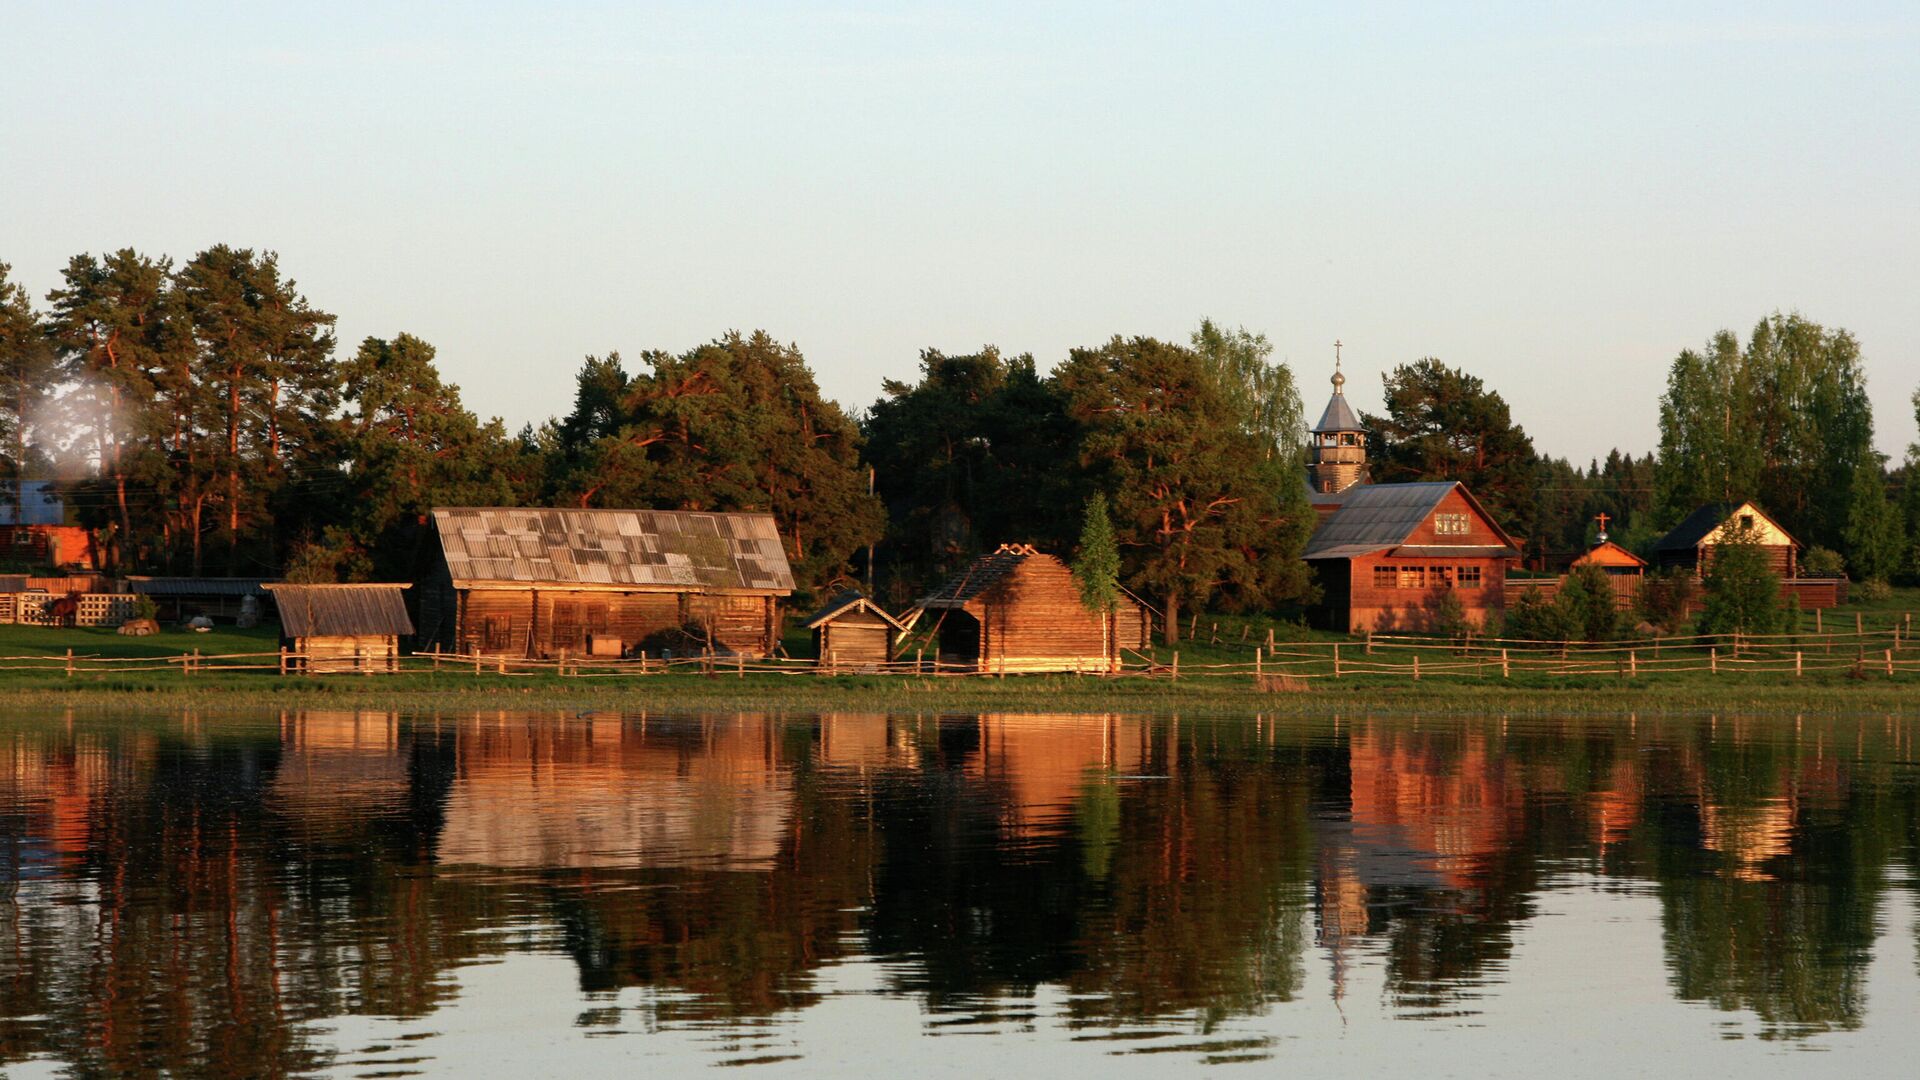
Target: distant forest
(202, 419)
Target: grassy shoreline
(1755, 694)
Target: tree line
(202, 419)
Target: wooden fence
(1881, 652)
(95, 609)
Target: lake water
(517, 894)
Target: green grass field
(1220, 640)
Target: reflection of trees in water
(187, 900)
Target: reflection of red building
(1451, 803)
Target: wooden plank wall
(1379, 608)
(358, 653)
(507, 622)
(1033, 620)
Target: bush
(1535, 618)
(1822, 563)
(1665, 597)
(1446, 616)
(1873, 591)
(1587, 605)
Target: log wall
(538, 622)
(855, 638)
(1033, 620)
(364, 653)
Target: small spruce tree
(1097, 569)
(1587, 605)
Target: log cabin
(1690, 545)
(852, 631)
(1018, 609)
(1389, 553)
(341, 628)
(541, 583)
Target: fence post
(436, 656)
(1859, 624)
(1796, 663)
(69, 663)
(1176, 665)
(1416, 667)
(1889, 663)
(1369, 642)
(283, 659)
(1503, 663)
(740, 665)
(1336, 659)
(1213, 634)
(1258, 673)
(1713, 661)
(1269, 639)
(196, 659)
(1633, 664)
(1819, 623)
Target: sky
(1554, 198)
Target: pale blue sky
(1556, 199)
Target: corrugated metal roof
(1376, 516)
(668, 549)
(31, 502)
(197, 586)
(979, 576)
(1338, 416)
(341, 610)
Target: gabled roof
(1608, 553)
(1374, 517)
(851, 600)
(980, 575)
(1704, 521)
(340, 610)
(1338, 416)
(680, 550)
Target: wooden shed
(178, 599)
(1019, 610)
(853, 631)
(546, 583)
(1690, 545)
(339, 628)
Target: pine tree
(26, 381)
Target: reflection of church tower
(1338, 458)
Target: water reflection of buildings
(349, 861)
(602, 793)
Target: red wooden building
(1389, 553)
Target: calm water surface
(368, 894)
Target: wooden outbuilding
(1385, 558)
(177, 599)
(851, 631)
(1615, 560)
(1020, 610)
(547, 582)
(1690, 545)
(340, 628)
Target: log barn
(544, 583)
(1018, 609)
(339, 628)
(853, 631)
(1387, 555)
(1690, 545)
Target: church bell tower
(1337, 458)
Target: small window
(1385, 577)
(1746, 521)
(1326, 486)
(1466, 577)
(1413, 577)
(1348, 440)
(1451, 524)
(1440, 577)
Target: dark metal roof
(31, 502)
(197, 586)
(13, 583)
(341, 610)
(1338, 416)
(980, 575)
(1702, 523)
(850, 600)
(682, 550)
